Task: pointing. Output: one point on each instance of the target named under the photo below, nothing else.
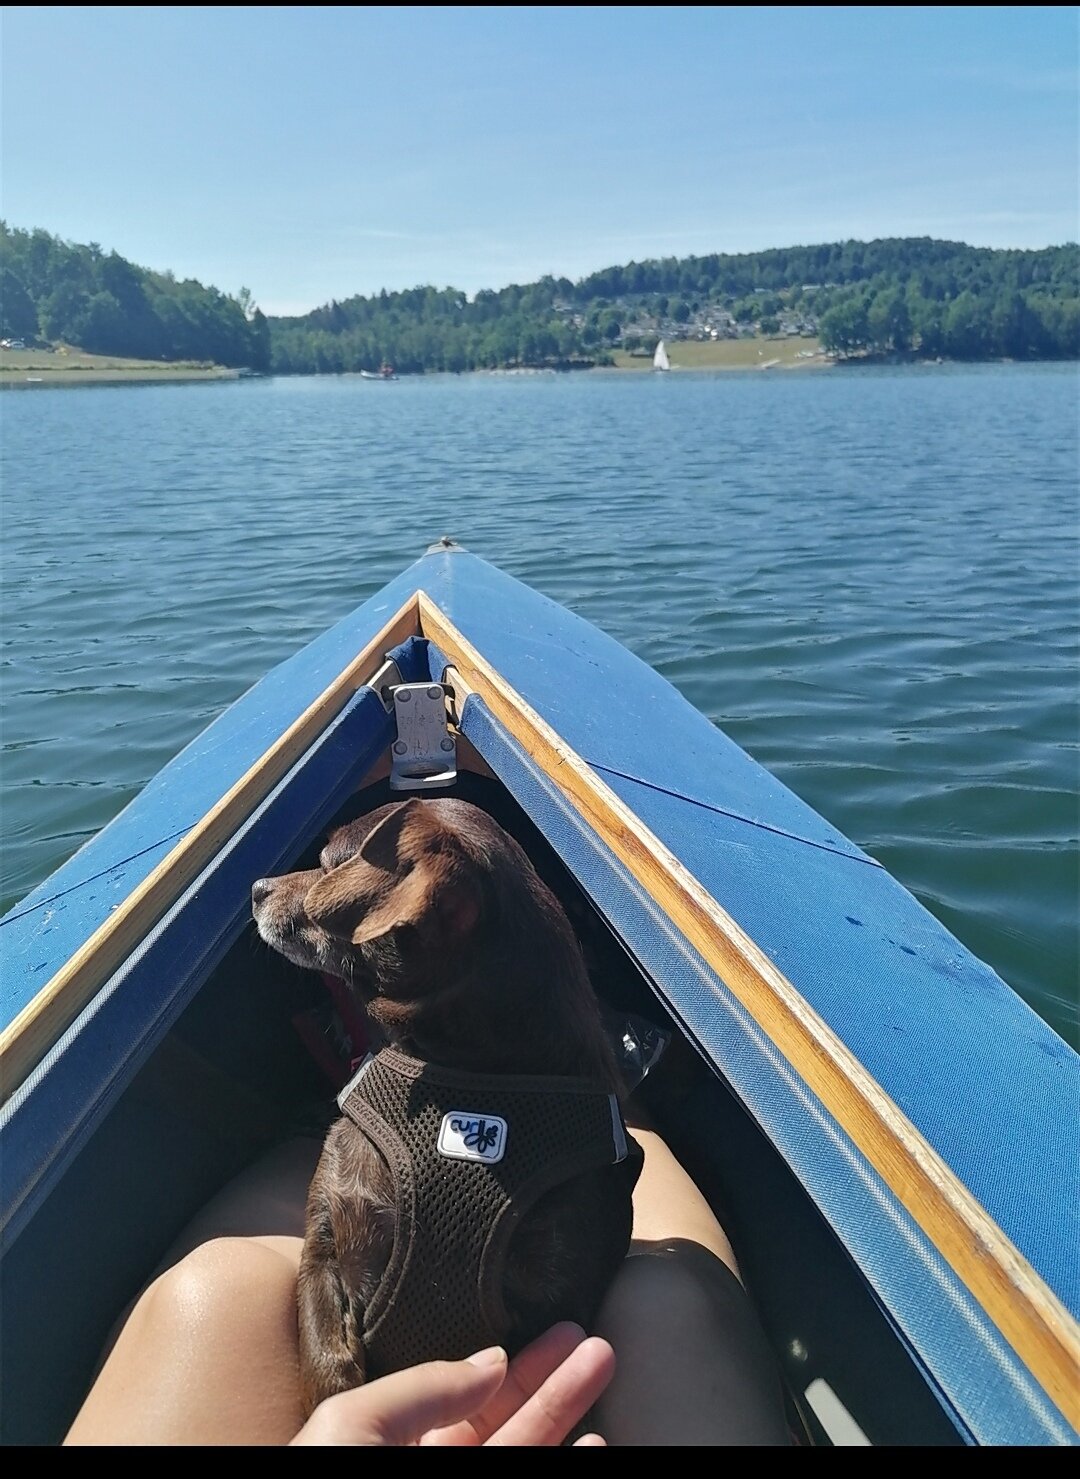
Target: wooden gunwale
(1026, 1311)
(30, 1035)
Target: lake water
(868, 578)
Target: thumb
(397, 1410)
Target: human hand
(533, 1401)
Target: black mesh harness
(469, 1154)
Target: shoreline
(37, 376)
(22, 380)
(64, 365)
(781, 366)
(788, 352)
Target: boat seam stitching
(737, 816)
(93, 877)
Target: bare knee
(220, 1282)
(208, 1354)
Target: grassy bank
(65, 366)
(731, 354)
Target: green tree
(888, 322)
(102, 325)
(18, 316)
(844, 328)
(927, 324)
(260, 341)
(61, 312)
(967, 331)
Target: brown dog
(479, 1187)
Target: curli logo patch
(467, 1136)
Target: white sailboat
(660, 360)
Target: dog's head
(383, 876)
(437, 918)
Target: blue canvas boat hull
(890, 1132)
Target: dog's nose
(260, 890)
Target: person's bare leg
(693, 1366)
(208, 1351)
(207, 1356)
(265, 1200)
(668, 1205)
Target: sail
(660, 359)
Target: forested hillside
(889, 296)
(940, 297)
(429, 329)
(894, 297)
(55, 290)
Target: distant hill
(56, 290)
(894, 296)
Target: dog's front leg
(330, 1320)
(350, 1231)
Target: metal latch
(424, 755)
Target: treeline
(999, 321)
(894, 295)
(97, 301)
(944, 267)
(431, 329)
(897, 295)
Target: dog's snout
(261, 889)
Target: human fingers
(396, 1410)
(562, 1400)
(529, 1369)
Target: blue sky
(312, 153)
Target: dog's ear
(441, 909)
(404, 874)
(348, 841)
(382, 845)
